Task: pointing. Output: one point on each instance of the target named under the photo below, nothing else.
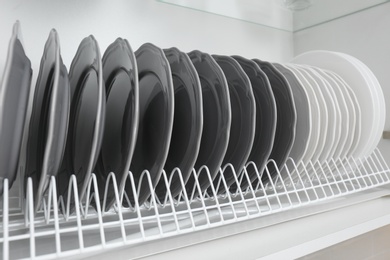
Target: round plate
(302, 106)
(86, 120)
(243, 107)
(14, 93)
(49, 119)
(216, 119)
(344, 113)
(266, 117)
(352, 75)
(357, 129)
(333, 115)
(120, 75)
(187, 122)
(315, 115)
(286, 114)
(350, 131)
(324, 119)
(380, 101)
(156, 107)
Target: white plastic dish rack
(51, 234)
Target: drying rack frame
(53, 232)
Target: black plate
(216, 118)
(156, 106)
(14, 92)
(120, 75)
(49, 119)
(187, 122)
(286, 117)
(86, 120)
(266, 117)
(242, 130)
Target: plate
(303, 109)
(332, 130)
(120, 75)
(381, 105)
(243, 122)
(337, 115)
(266, 117)
(86, 121)
(352, 75)
(357, 129)
(286, 117)
(324, 119)
(315, 115)
(49, 120)
(344, 113)
(351, 111)
(14, 92)
(216, 119)
(156, 108)
(187, 122)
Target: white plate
(315, 115)
(358, 124)
(370, 85)
(344, 113)
(352, 75)
(323, 117)
(302, 106)
(351, 111)
(333, 115)
(381, 105)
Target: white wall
(139, 21)
(364, 35)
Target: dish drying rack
(53, 232)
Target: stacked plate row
(156, 110)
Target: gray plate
(187, 123)
(243, 107)
(216, 118)
(120, 75)
(302, 106)
(86, 120)
(286, 114)
(14, 92)
(156, 106)
(49, 119)
(266, 117)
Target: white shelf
(297, 233)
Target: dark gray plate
(286, 116)
(187, 122)
(216, 118)
(120, 75)
(49, 119)
(266, 117)
(14, 92)
(156, 105)
(302, 106)
(86, 120)
(243, 108)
